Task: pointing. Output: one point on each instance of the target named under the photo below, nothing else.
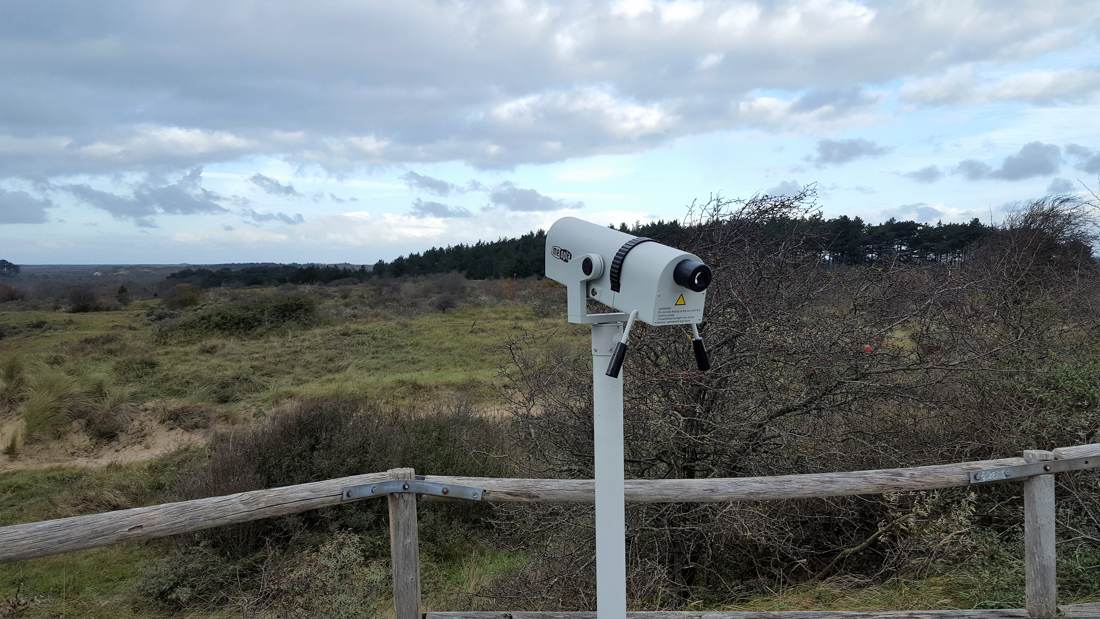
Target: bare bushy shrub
(9, 293)
(444, 302)
(339, 578)
(318, 439)
(817, 366)
(182, 296)
(83, 299)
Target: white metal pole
(607, 403)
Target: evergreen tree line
(267, 275)
(841, 239)
(847, 240)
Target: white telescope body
(645, 280)
(626, 272)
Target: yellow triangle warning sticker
(681, 301)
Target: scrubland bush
(105, 411)
(977, 358)
(9, 293)
(83, 299)
(342, 577)
(136, 367)
(247, 315)
(50, 398)
(181, 296)
(444, 302)
(11, 380)
(233, 386)
(312, 440)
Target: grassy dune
(66, 361)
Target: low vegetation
(823, 361)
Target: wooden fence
(1036, 470)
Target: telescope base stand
(607, 425)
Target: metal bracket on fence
(1024, 471)
(413, 486)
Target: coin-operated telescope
(642, 279)
(655, 283)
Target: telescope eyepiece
(692, 274)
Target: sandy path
(145, 441)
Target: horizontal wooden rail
(717, 490)
(37, 539)
(25, 541)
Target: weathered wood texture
(734, 489)
(1079, 610)
(36, 539)
(1041, 583)
(1077, 451)
(404, 550)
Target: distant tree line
(8, 269)
(267, 275)
(843, 239)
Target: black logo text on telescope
(561, 253)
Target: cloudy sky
(171, 131)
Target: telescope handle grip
(702, 358)
(617, 358)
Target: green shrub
(326, 438)
(248, 316)
(135, 368)
(313, 440)
(11, 380)
(50, 398)
(336, 579)
(233, 387)
(195, 577)
(182, 296)
(106, 411)
(82, 299)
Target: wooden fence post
(404, 550)
(1039, 540)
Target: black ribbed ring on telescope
(617, 261)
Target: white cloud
(631, 8)
(492, 85)
(157, 140)
(680, 11)
(963, 85)
(598, 108)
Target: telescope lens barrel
(693, 275)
